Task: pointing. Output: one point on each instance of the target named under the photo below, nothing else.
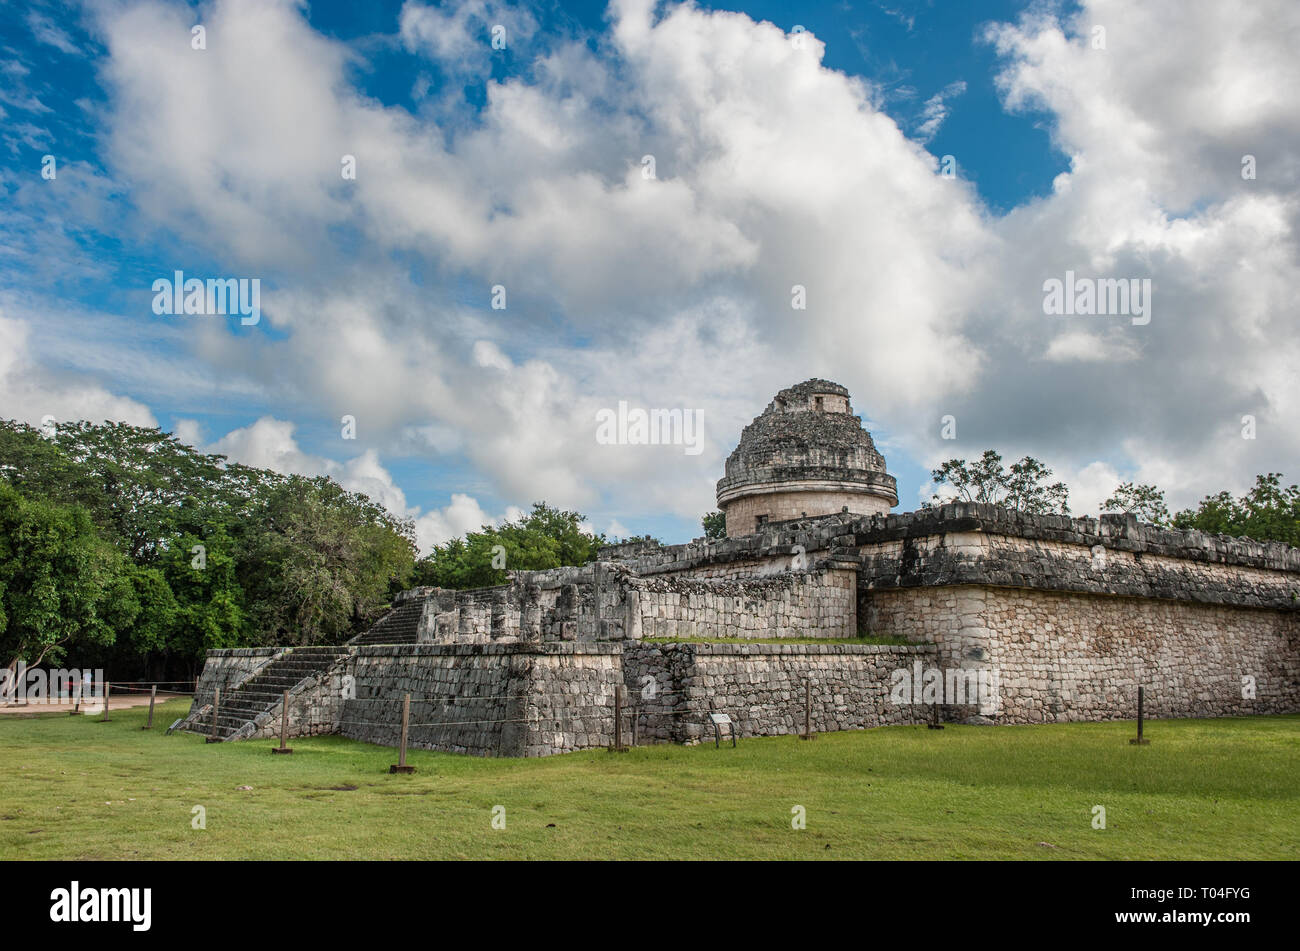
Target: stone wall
(1073, 656)
(744, 514)
(673, 687)
(820, 603)
(488, 700)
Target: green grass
(1226, 789)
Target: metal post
(153, 695)
(284, 724)
(216, 709)
(401, 766)
(1140, 740)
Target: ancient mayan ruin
(1055, 618)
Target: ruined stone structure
(982, 614)
(806, 455)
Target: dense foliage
(1268, 512)
(121, 545)
(715, 525)
(545, 538)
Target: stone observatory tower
(806, 455)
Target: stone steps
(399, 626)
(265, 689)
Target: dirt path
(90, 706)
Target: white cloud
(936, 110)
(30, 392)
(1084, 347)
(48, 32)
(770, 171)
(271, 444)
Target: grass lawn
(1225, 789)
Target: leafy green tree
(209, 601)
(1268, 512)
(61, 584)
(1022, 487)
(325, 562)
(715, 525)
(545, 538)
(1146, 502)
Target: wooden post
(934, 723)
(401, 766)
(76, 705)
(216, 708)
(807, 711)
(636, 710)
(618, 719)
(107, 685)
(153, 695)
(1140, 740)
(284, 724)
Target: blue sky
(777, 164)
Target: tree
(61, 584)
(1145, 502)
(715, 525)
(1268, 512)
(285, 559)
(324, 562)
(1022, 487)
(210, 609)
(545, 538)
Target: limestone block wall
(228, 668)
(1073, 656)
(673, 687)
(743, 514)
(561, 604)
(819, 603)
(1081, 657)
(485, 699)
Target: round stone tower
(806, 455)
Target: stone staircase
(399, 626)
(261, 693)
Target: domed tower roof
(807, 454)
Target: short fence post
(401, 766)
(153, 695)
(216, 709)
(807, 711)
(618, 719)
(934, 723)
(76, 704)
(284, 724)
(1139, 740)
(107, 686)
